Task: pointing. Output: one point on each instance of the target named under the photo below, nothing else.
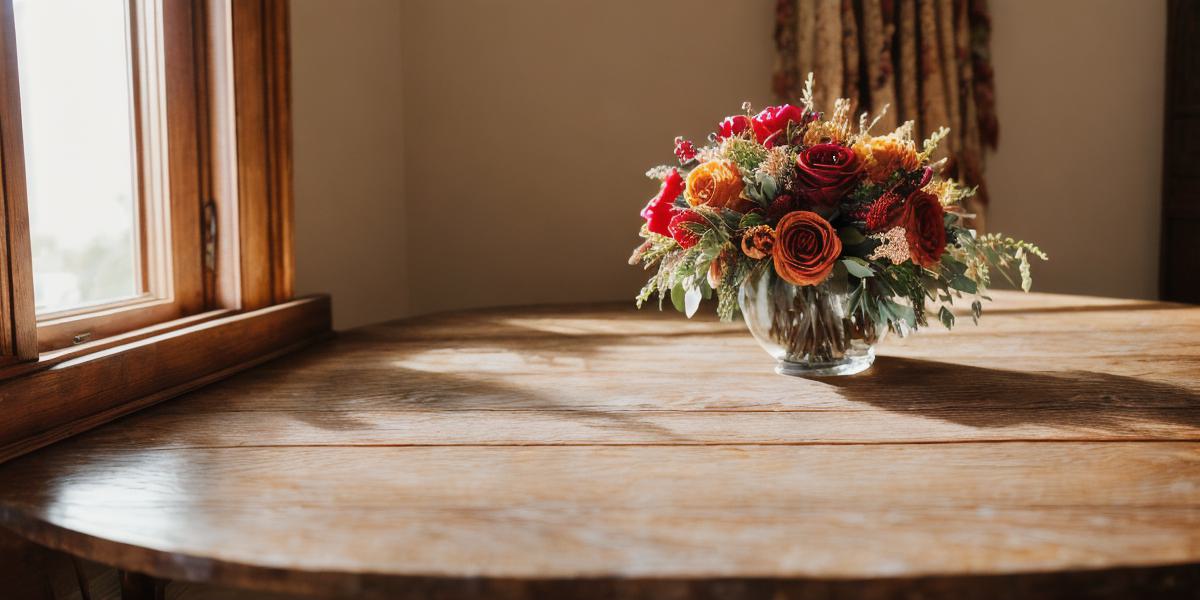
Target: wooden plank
(576, 449)
(78, 394)
(632, 512)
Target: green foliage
(761, 188)
(858, 267)
(745, 153)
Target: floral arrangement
(810, 198)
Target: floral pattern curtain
(927, 60)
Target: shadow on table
(984, 397)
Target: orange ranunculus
(886, 154)
(758, 242)
(716, 183)
(806, 248)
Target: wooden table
(595, 450)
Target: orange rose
(806, 248)
(716, 183)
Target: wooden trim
(279, 137)
(18, 322)
(249, 151)
(81, 393)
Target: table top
(1062, 433)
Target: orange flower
(806, 248)
(884, 155)
(716, 183)
(758, 241)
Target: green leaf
(946, 317)
(677, 296)
(858, 267)
(751, 219)
(691, 301)
(963, 284)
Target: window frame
(165, 103)
(236, 180)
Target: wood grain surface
(489, 453)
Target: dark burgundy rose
(771, 124)
(925, 228)
(782, 205)
(825, 173)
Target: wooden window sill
(72, 390)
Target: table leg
(136, 586)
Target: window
(114, 226)
(145, 206)
(78, 115)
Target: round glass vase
(808, 329)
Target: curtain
(927, 60)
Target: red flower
(885, 213)
(686, 237)
(781, 205)
(773, 121)
(684, 149)
(660, 209)
(825, 173)
(732, 126)
(925, 228)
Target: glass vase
(808, 329)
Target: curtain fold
(928, 60)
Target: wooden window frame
(168, 193)
(233, 181)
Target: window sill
(72, 390)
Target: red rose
(660, 209)
(806, 248)
(825, 173)
(772, 123)
(925, 228)
(732, 126)
(684, 149)
(686, 237)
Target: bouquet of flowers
(822, 234)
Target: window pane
(75, 69)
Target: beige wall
(1079, 167)
(349, 157)
(530, 125)
(527, 125)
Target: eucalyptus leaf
(677, 295)
(691, 301)
(858, 267)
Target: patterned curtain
(927, 59)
